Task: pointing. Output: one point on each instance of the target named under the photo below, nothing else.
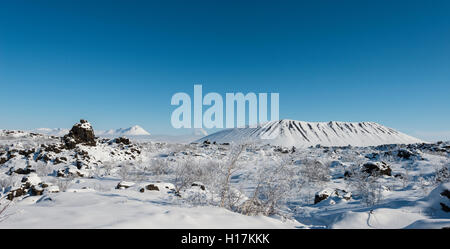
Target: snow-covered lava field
(82, 181)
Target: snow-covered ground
(140, 184)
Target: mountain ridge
(289, 132)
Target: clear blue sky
(117, 63)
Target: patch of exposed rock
(81, 133)
(377, 168)
(336, 193)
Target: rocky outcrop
(124, 185)
(377, 169)
(152, 187)
(81, 133)
(32, 185)
(335, 193)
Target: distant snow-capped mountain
(304, 134)
(52, 131)
(131, 131)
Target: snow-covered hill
(305, 134)
(131, 131)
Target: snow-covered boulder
(336, 193)
(439, 200)
(377, 168)
(124, 185)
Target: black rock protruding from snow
(81, 133)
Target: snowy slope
(305, 134)
(131, 131)
(88, 208)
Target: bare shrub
(216, 175)
(366, 187)
(43, 169)
(140, 174)
(4, 205)
(124, 172)
(225, 191)
(8, 182)
(107, 168)
(186, 173)
(276, 183)
(442, 174)
(315, 171)
(100, 187)
(63, 183)
(159, 167)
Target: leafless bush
(366, 187)
(315, 171)
(42, 169)
(159, 167)
(4, 205)
(276, 183)
(226, 171)
(108, 167)
(442, 174)
(140, 174)
(7, 182)
(63, 183)
(124, 172)
(100, 187)
(217, 176)
(186, 173)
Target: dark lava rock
(22, 171)
(405, 154)
(152, 187)
(26, 153)
(16, 193)
(201, 186)
(445, 208)
(80, 133)
(52, 148)
(44, 158)
(325, 194)
(36, 191)
(57, 161)
(61, 173)
(124, 185)
(320, 197)
(122, 140)
(347, 174)
(446, 193)
(377, 168)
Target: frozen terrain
(79, 181)
(304, 134)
